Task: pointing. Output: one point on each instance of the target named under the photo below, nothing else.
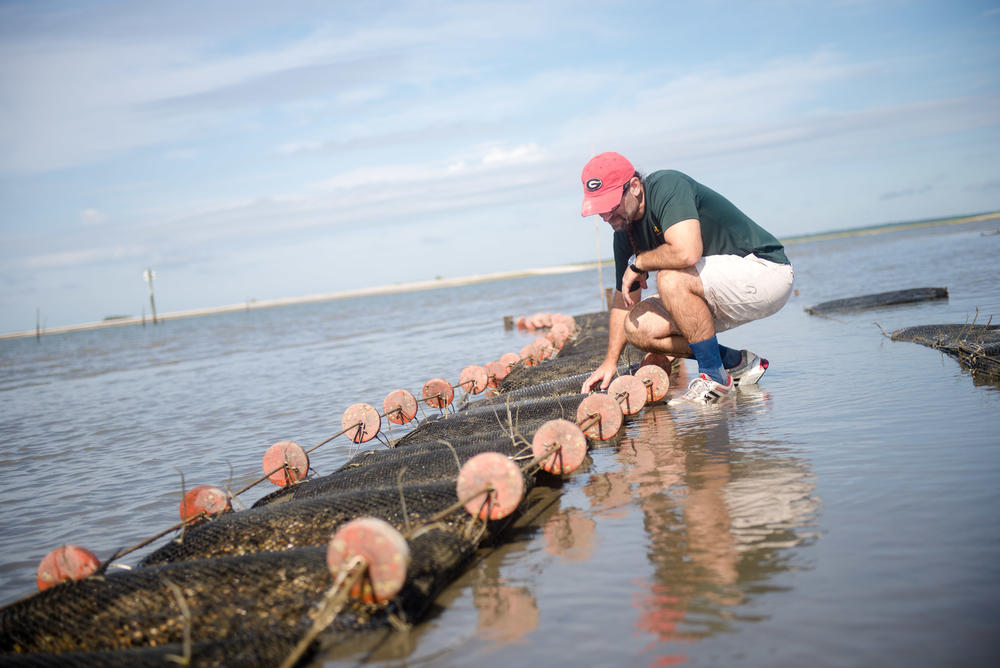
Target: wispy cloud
(92, 217)
(984, 186)
(83, 257)
(67, 100)
(513, 156)
(213, 136)
(287, 85)
(906, 192)
(492, 175)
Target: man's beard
(619, 224)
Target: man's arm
(616, 341)
(681, 248)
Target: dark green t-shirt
(725, 230)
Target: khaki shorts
(743, 289)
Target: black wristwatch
(635, 268)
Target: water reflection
(507, 612)
(719, 516)
(570, 534)
(721, 519)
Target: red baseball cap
(603, 179)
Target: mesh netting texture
(498, 417)
(269, 593)
(578, 359)
(878, 300)
(976, 347)
(311, 521)
(242, 588)
(376, 469)
(238, 651)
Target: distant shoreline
(464, 280)
(891, 227)
(416, 286)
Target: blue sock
(710, 360)
(730, 357)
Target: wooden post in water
(38, 326)
(149, 275)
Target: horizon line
(431, 284)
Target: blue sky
(265, 150)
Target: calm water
(842, 514)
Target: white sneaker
(749, 370)
(703, 390)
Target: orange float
(68, 562)
(384, 551)
(572, 446)
(656, 380)
(495, 373)
(474, 379)
(204, 499)
(285, 463)
(400, 406)
(361, 421)
(438, 393)
(491, 484)
(630, 393)
(599, 416)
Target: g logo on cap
(593, 184)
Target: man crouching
(716, 269)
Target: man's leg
(678, 322)
(730, 356)
(649, 327)
(743, 289)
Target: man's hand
(628, 279)
(604, 374)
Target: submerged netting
(498, 417)
(549, 388)
(241, 650)
(262, 594)
(392, 469)
(878, 300)
(574, 364)
(243, 588)
(976, 347)
(310, 521)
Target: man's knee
(633, 332)
(645, 322)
